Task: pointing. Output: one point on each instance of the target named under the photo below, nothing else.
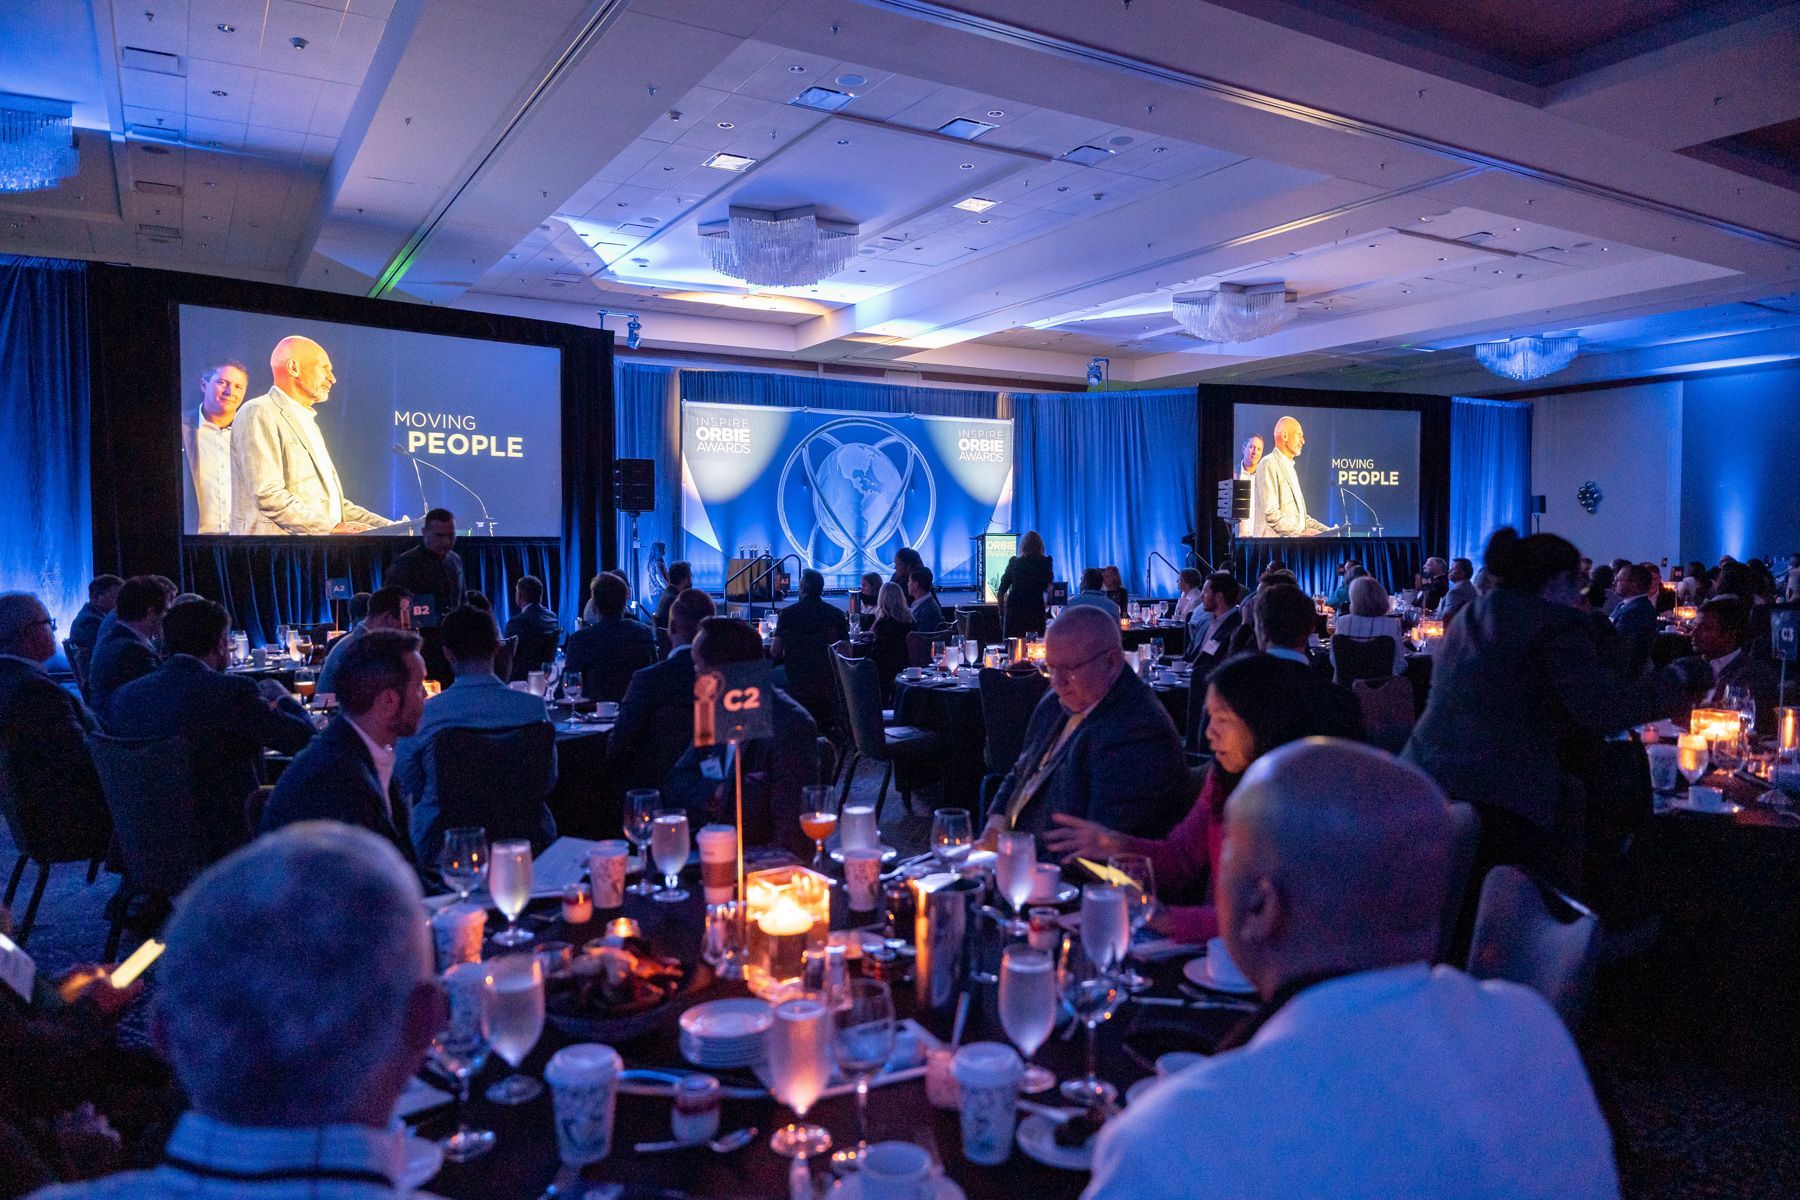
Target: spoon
(725, 1143)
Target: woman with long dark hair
(1022, 587)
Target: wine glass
(1028, 1007)
(971, 651)
(459, 1049)
(1140, 902)
(817, 819)
(641, 807)
(952, 835)
(512, 1016)
(862, 1044)
(799, 1054)
(509, 883)
(571, 685)
(1091, 993)
(669, 846)
(463, 860)
(1693, 757)
(1105, 924)
(1014, 872)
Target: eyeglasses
(1071, 668)
(50, 621)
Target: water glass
(1105, 924)
(857, 828)
(1092, 994)
(459, 1050)
(669, 845)
(1015, 871)
(571, 686)
(641, 807)
(509, 883)
(799, 1057)
(1028, 1004)
(463, 860)
(952, 835)
(861, 1045)
(512, 1017)
(1140, 903)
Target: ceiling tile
(152, 25)
(206, 76)
(333, 109)
(243, 45)
(151, 89)
(284, 101)
(353, 50)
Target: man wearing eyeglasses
(1100, 745)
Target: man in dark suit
(656, 717)
(103, 595)
(1722, 638)
(681, 578)
(1219, 595)
(1100, 745)
(1635, 618)
(804, 634)
(928, 614)
(43, 731)
(536, 627)
(226, 719)
(346, 773)
(386, 608)
(1436, 584)
(433, 571)
(127, 649)
(614, 648)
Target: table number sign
(733, 704)
(1784, 632)
(422, 613)
(338, 589)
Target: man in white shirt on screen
(1277, 505)
(1253, 453)
(206, 445)
(282, 476)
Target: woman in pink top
(1254, 703)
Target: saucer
(850, 1187)
(1037, 1138)
(1196, 972)
(836, 853)
(424, 1158)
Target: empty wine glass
(459, 1049)
(509, 883)
(463, 861)
(952, 835)
(1092, 994)
(641, 807)
(861, 1045)
(669, 846)
(799, 1055)
(1028, 1007)
(512, 1016)
(571, 685)
(1140, 902)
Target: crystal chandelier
(37, 148)
(1235, 312)
(1527, 358)
(791, 247)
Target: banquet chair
(1531, 934)
(505, 656)
(918, 648)
(871, 737)
(78, 663)
(499, 779)
(980, 623)
(149, 787)
(1354, 658)
(1007, 702)
(1465, 837)
(36, 819)
(531, 652)
(1387, 710)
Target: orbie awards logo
(851, 480)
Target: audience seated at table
(1092, 594)
(867, 599)
(1283, 623)
(129, 646)
(1219, 596)
(1462, 588)
(1635, 617)
(387, 610)
(103, 595)
(346, 773)
(1023, 585)
(893, 621)
(1112, 584)
(1722, 638)
(805, 631)
(1254, 703)
(1339, 600)
(681, 578)
(1516, 677)
(357, 611)
(775, 768)
(43, 732)
(614, 647)
(1187, 598)
(906, 561)
(479, 699)
(536, 627)
(656, 716)
(227, 720)
(1434, 583)
(927, 613)
(1368, 1073)
(1368, 617)
(295, 1000)
(1274, 573)
(1099, 746)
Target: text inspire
(447, 433)
(1361, 471)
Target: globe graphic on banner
(851, 481)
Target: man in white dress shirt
(282, 476)
(206, 445)
(1277, 505)
(1369, 1074)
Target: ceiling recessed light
(966, 128)
(224, 27)
(996, 112)
(851, 81)
(797, 69)
(650, 220)
(726, 125)
(298, 43)
(220, 92)
(843, 141)
(823, 99)
(731, 162)
(668, 168)
(984, 221)
(975, 204)
(966, 166)
(1087, 156)
(1121, 140)
(1159, 149)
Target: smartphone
(134, 966)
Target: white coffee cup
(987, 1079)
(606, 871)
(1219, 966)
(456, 934)
(862, 878)
(1045, 879)
(718, 862)
(607, 710)
(857, 829)
(1706, 799)
(1665, 766)
(913, 674)
(584, 1086)
(898, 1171)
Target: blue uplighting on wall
(1740, 447)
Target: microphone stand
(1151, 562)
(487, 518)
(1374, 517)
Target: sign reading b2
(733, 704)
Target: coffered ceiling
(1420, 176)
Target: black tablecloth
(1174, 637)
(582, 802)
(954, 711)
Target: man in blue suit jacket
(347, 772)
(656, 717)
(1635, 618)
(536, 627)
(127, 648)
(103, 594)
(614, 648)
(43, 732)
(928, 614)
(1100, 745)
(227, 719)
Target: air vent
(158, 133)
(151, 60)
(821, 98)
(159, 231)
(1087, 156)
(157, 189)
(965, 128)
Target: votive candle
(1691, 748)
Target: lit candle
(1691, 748)
(786, 926)
(621, 928)
(577, 904)
(1787, 728)
(1715, 724)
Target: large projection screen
(1328, 472)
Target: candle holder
(1715, 724)
(1428, 629)
(1787, 729)
(787, 912)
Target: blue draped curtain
(46, 524)
(1108, 477)
(1490, 471)
(802, 391)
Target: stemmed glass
(1014, 872)
(817, 819)
(571, 686)
(512, 1016)
(459, 1049)
(1105, 924)
(952, 835)
(799, 1051)
(1092, 994)
(1693, 758)
(1140, 902)
(669, 846)
(641, 805)
(463, 860)
(509, 883)
(1028, 1007)
(971, 651)
(864, 1040)
(1742, 700)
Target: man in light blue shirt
(1093, 592)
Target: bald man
(282, 476)
(1368, 1073)
(1277, 505)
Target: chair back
(1530, 934)
(53, 811)
(860, 679)
(1354, 658)
(1007, 702)
(981, 623)
(149, 789)
(918, 648)
(807, 658)
(531, 651)
(499, 779)
(506, 656)
(1387, 710)
(78, 662)
(1465, 837)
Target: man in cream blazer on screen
(282, 476)
(1277, 505)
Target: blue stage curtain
(802, 391)
(46, 524)
(647, 408)
(1107, 478)
(1490, 471)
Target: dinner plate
(424, 1159)
(737, 1019)
(850, 1187)
(1196, 972)
(1037, 1138)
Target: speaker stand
(637, 582)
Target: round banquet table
(954, 711)
(525, 1159)
(1174, 637)
(582, 803)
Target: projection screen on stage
(1328, 472)
(841, 490)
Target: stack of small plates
(726, 1033)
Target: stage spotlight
(634, 331)
(1099, 371)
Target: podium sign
(992, 552)
(734, 704)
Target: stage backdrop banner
(842, 490)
